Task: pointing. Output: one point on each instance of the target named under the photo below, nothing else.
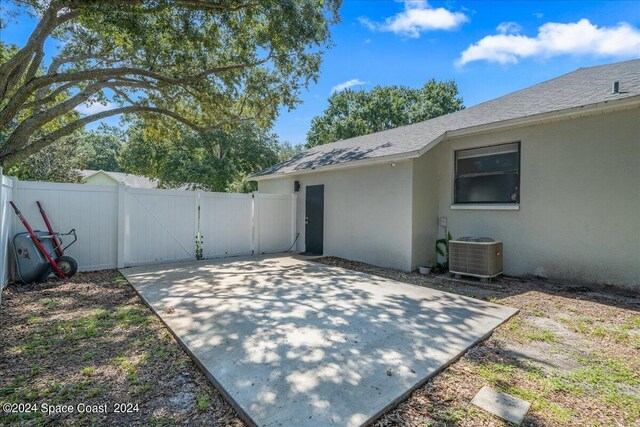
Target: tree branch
(24, 131)
(51, 97)
(9, 158)
(23, 93)
(9, 78)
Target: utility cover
(503, 405)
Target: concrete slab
(293, 342)
(503, 405)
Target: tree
(214, 161)
(285, 150)
(206, 64)
(357, 112)
(56, 163)
(100, 149)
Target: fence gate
(120, 226)
(160, 225)
(226, 224)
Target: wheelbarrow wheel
(68, 265)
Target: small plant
(120, 280)
(87, 370)
(49, 302)
(442, 250)
(95, 392)
(202, 403)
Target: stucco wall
(579, 216)
(367, 212)
(424, 211)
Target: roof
(580, 88)
(137, 181)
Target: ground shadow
(302, 343)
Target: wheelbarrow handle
(70, 233)
(45, 218)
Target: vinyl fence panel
(90, 209)
(160, 226)
(226, 224)
(274, 219)
(6, 228)
(119, 226)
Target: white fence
(90, 209)
(160, 224)
(119, 226)
(6, 194)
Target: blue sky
(382, 43)
(488, 48)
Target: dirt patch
(573, 352)
(91, 341)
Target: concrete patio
(291, 342)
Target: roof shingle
(579, 88)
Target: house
(552, 170)
(114, 178)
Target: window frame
(488, 204)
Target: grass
(606, 381)
(123, 363)
(142, 388)
(95, 392)
(572, 354)
(104, 346)
(87, 371)
(202, 403)
(538, 313)
(120, 280)
(625, 333)
(49, 303)
(452, 415)
(523, 331)
(541, 403)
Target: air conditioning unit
(475, 256)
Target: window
(488, 174)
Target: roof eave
(548, 117)
(574, 112)
(355, 163)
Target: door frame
(306, 216)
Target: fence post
(121, 236)
(255, 237)
(196, 223)
(5, 243)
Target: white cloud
(554, 39)
(509, 28)
(93, 107)
(416, 18)
(347, 85)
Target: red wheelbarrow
(38, 253)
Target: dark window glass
(488, 175)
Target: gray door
(314, 219)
